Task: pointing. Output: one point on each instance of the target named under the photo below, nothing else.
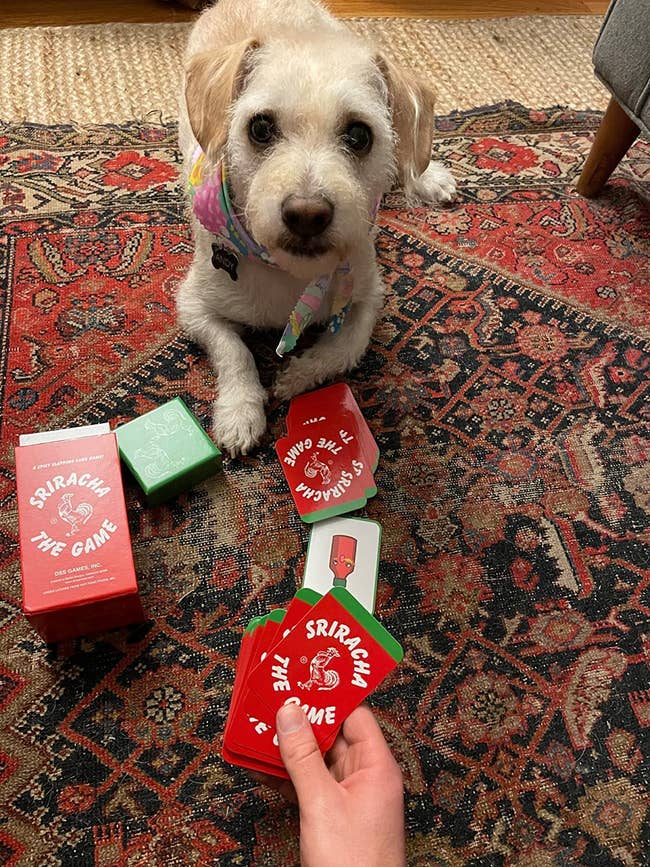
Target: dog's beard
(261, 192)
(303, 258)
(307, 267)
(308, 248)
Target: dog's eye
(261, 129)
(358, 137)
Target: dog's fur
(291, 58)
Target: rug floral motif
(508, 387)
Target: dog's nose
(307, 217)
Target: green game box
(167, 451)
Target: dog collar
(212, 208)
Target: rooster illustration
(314, 466)
(320, 675)
(159, 461)
(76, 516)
(168, 423)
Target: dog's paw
(238, 425)
(436, 185)
(303, 373)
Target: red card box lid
(74, 537)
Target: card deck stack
(329, 454)
(325, 653)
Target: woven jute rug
(507, 386)
(110, 73)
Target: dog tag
(224, 260)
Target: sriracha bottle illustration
(342, 558)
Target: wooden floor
(31, 13)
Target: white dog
(291, 129)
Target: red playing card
(336, 404)
(252, 733)
(249, 656)
(265, 635)
(253, 764)
(242, 666)
(330, 661)
(249, 739)
(261, 627)
(299, 606)
(328, 473)
(250, 729)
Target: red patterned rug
(508, 386)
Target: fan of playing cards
(326, 652)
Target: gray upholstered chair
(622, 62)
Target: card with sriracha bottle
(344, 552)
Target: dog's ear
(213, 81)
(411, 103)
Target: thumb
(300, 753)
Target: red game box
(75, 548)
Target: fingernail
(289, 719)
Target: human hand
(352, 812)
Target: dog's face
(310, 150)
(308, 130)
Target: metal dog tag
(224, 260)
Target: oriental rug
(508, 387)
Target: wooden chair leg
(613, 140)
